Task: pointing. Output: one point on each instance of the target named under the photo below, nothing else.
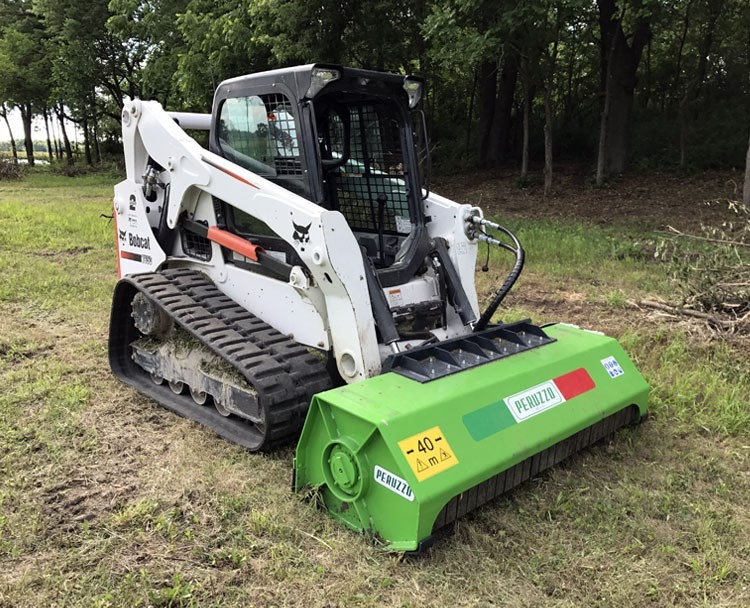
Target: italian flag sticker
(539, 398)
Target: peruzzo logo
(534, 400)
(546, 395)
(394, 483)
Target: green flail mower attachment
(401, 455)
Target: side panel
(278, 304)
(137, 249)
(446, 220)
(297, 311)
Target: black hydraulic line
(460, 300)
(509, 281)
(380, 309)
(165, 235)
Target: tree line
(615, 83)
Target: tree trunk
(680, 48)
(647, 89)
(56, 143)
(49, 140)
(601, 162)
(526, 116)
(623, 75)
(746, 189)
(60, 112)
(97, 149)
(487, 93)
(55, 135)
(500, 131)
(548, 113)
(547, 141)
(601, 158)
(470, 112)
(4, 114)
(568, 105)
(86, 140)
(26, 116)
(694, 85)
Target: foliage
(10, 170)
(487, 63)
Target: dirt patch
(85, 496)
(653, 201)
(66, 252)
(19, 353)
(574, 307)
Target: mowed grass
(109, 500)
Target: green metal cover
(388, 454)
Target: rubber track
(284, 374)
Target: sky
(38, 132)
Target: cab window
(259, 132)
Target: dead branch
(706, 238)
(722, 323)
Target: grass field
(109, 500)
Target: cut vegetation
(107, 499)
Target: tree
(4, 114)
(695, 83)
(60, 114)
(507, 79)
(619, 60)
(548, 111)
(153, 45)
(24, 70)
(479, 38)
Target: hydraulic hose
(512, 276)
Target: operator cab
(340, 137)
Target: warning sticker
(395, 298)
(613, 367)
(428, 453)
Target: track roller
(174, 330)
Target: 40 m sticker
(428, 453)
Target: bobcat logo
(123, 235)
(301, 233)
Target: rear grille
(196, 246)
(505, 481)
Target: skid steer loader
(298, 276)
